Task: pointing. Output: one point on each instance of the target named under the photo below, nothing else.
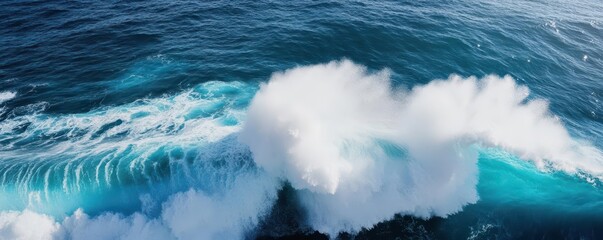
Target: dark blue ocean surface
(122, 115)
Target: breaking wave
(360, 151)
(208, 163)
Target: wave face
(145, 155)
(230, 120)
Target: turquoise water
(130, 109)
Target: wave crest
(360, 151)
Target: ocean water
(257, 119)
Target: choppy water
(123, 118)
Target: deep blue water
(106, 103)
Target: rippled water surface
(126, 114)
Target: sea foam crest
(360, 151)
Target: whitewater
(209, 162)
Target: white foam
(496, 111)
(7, 95)
(26, 225)
(330, 130)
(229, 214)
